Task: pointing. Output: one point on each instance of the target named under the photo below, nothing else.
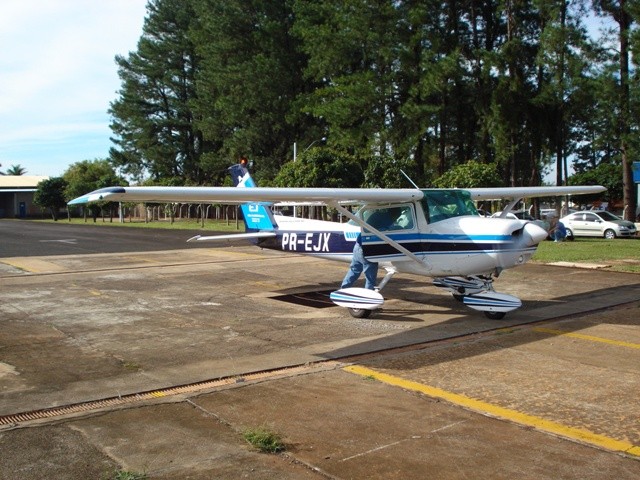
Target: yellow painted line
(589, 338)
(33, 265)
(479, 406)
(143, 259)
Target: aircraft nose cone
(534, 234)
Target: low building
(16, 195)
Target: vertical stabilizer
(257, 216)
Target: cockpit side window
(442, 204)
(387, 219)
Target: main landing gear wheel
(360, 312)
(495, 315)
(359, 301)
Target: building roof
(20, 181)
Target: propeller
(533, 234)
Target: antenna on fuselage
(409, 178)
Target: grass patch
(131, 366)
(264, 439)
(124, 475)
(623, 254)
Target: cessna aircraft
(436, 233)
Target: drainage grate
(111, 402)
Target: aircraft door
(592, 224)
(396, 221)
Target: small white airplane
(437, 233)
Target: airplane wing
(512, 193)
(319, 195)
(242, 195)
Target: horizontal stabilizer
(233, 236)
(361, 298)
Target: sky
(58, 76)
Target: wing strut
(508, 208)
(378, 233)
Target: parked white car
(597, 223)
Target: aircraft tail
(257, 216)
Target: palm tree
(16, 170)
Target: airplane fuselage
(330, 240)
(450, 245)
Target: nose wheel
(477, 292)
(359, 312)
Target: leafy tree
(16, 170)
(619, 11)
(89, 175)
(152, 120)
(470, 175)
(50, 194)
(596, 128)
(386, 172)
(562, 60)
(351, 47)
(441, 100)
(248, 84)
(420, 85)
(321, 167)
(606, 174)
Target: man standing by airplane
(359, 264)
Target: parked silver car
(597, 223)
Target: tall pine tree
(249, 83)
(152, 120)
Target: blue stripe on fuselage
(308, 242)
(408, 237)
(319, 242)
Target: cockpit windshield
(442, 204)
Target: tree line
(14, 170)
(517, 86)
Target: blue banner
(636, 171)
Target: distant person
(558, 231)
(359, 264)
(244, 162)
